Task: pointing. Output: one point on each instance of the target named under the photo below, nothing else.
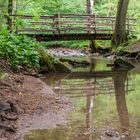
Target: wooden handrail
(69, 15)
(58, 23)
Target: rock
(121, 64)
(112, 133)
(4, 106)
(75, 62)
(7, 127)
(8, 111)
(13, 107)
(62, 67)
(7, 107)
(133, 48)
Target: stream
(106, 103)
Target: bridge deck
(63, 37)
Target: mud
(27, 103)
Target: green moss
(49, 63)
(62, 67)
(46, 60)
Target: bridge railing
(67, 24)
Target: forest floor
(27, 103)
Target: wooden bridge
(68, 27)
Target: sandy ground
(27, 103)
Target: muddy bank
(27, 103)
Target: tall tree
(3, 8)
(119, 35)
(11, 11)
(89, 10)
(90, 5)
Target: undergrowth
(23, 52)
(66, 44)
(19, 51)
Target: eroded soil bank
(26, 103)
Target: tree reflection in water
(120, 92)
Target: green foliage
(49, 7)
(19, 51)
(70, 44)
(37, 7)
(3, 11)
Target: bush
(19, 51)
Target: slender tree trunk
(11, 11)
(90, 5)
(89, 12)
(9, 20)
(119, 36)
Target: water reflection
(97, 94)
(119, 85)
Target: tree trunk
(11, 11)
(90, 4)
(119, 36)
(89, 12)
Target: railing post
(128, 28)
(53, 25)
(89, 24)
(89, 11)
(56, 23)
(112, 22)
(95, 18)
(59, 24)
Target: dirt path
(26, 103)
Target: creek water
(106, 104)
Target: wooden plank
(35, 30)
(42, 23)
(72, 36)
(31, 17)
(74, 23)
(70, 15)
(62, 29)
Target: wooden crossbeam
(72, 36)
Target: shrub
(19, 50)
